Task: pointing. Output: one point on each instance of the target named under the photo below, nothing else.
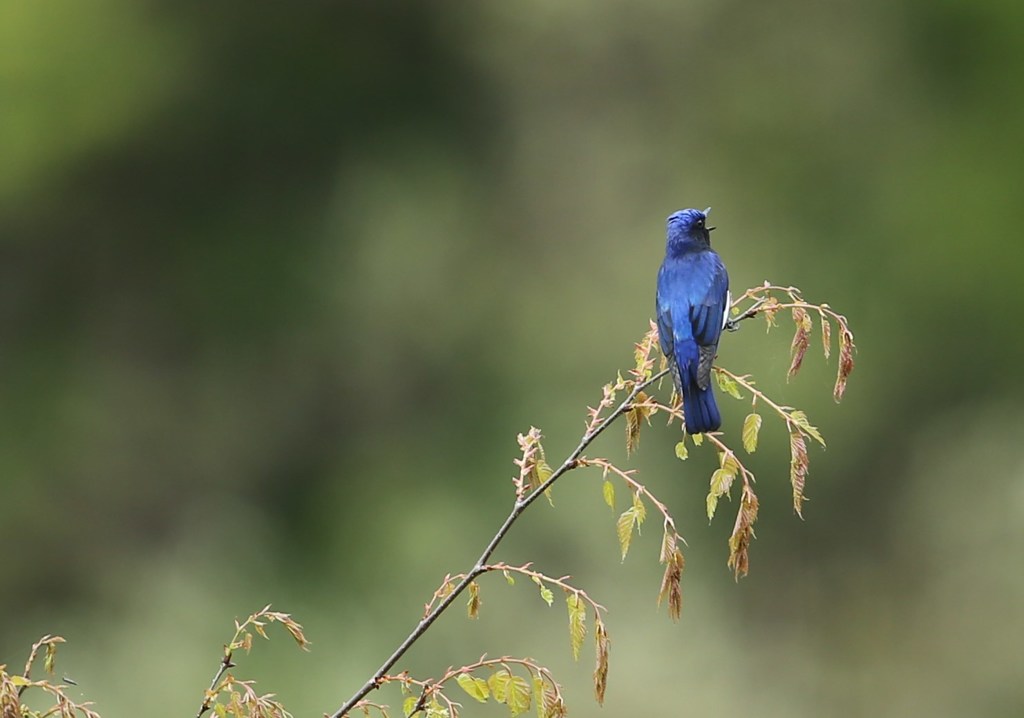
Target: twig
(480, 567)
(225, 664)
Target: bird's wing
(707, 318)
(664, 309)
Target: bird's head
(688, 228)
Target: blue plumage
(692, 301)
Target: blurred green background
(280, 283)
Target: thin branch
(225, 664)
(480, 567)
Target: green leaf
(473, 604)
(408, 704)
(826, 336)
(601, 663)
(538, 696)
(517, 695)
(721, 481)
(509, 578)
(624, 529)
(609, 493)
(729, 463)
(436, 710)
(681, 453)
(800, 419)
(641, 511)
(498, 683)
(577, 622)
(751, 427)
(545, 592)
(698, 439)
(475, 687)
(727, 384)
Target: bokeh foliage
(280, 286)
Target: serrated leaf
(800, 419)
(436, 710)
(729, 463)
(517, 695)
(681, 452)
(826, 336)
(801, 340)
(475, 687)
(538, 696)
(751, 427)
(698, 439)
(577, 622)
(624, 529)
(641, 510)
(721, 481)
(727, 384)
(408, 705)
(51, 657)
(742, 534)
(712, 502)
(498, 683)
(632, 430)
(601, 660)
(545, 593)
(798, 470)
(608, 490)
(473, 604)
(846, 349)
(670, 584)
(668, 544)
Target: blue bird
(692, 306)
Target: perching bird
(692, 306)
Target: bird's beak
(707, 211)
(711, 229)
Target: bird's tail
(700, 409)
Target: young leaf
(624, 529)
(726, 384)
(509, 578)
(473, 605)
(670, 584)
(751, 427)
(545, 592)
(698, 439)
(641, 511)
(538, 696)
(681, 453)
(475, 687)
(798, 470)
(800, 419)
(826, 336)
(721, 482)
(801, 340)
(601, 663)
(742, 533)
(632, 430)
(608, 490)
(408, 705)
(577, 622)
(498, 683)
(668, 544)
(436, 710)
(517, 695)
(846, 348)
